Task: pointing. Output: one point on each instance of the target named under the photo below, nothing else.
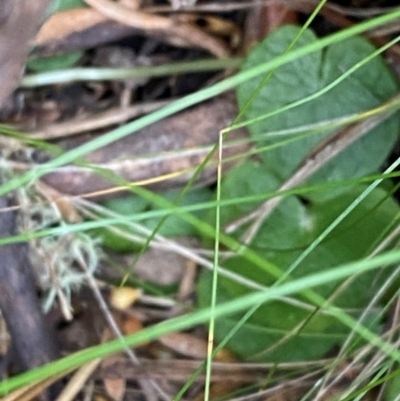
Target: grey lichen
(61, 262)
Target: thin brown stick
(93, 122)
(177, 31)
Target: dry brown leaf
(193, 347)
(79, 29)
(163, 155)
(67, 23)
(161, 267)
(215, 26)
(131, 325)
(275, 16)
(96, 121)
(181, 369)
(185, 344)
(99, 397)
(219, 390)
(178, 33)
(123, 298)
(65, 207)
(224, 355)
(115, 388)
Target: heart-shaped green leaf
(290, 329)
(282, 238)
(364, 89)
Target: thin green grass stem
(191, 100)
(202, 316)
(103, 74)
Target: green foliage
(281, 240)
(282, 331)
(366, 88)
(61, 5)
(60, 61)
(197, 317)
(392, 387)
(54, 62)
(174, 226)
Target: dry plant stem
(214, 7)
(327, 382)
(390, 334)
(177, 145)
(285, 390)
(89, 391)
(183, 33)
(160, 242)
(217, 7)
(137, 169)
(382, 290)
(354, 365)
(182, 369)
(391, 28)
(369, 370)
(394, 325)
(318, 157)
(30, 391)
(369, 367)
(4, 340)
(357, 12)
(187, 284)
(149, 386)
(77, 381)
(95, 122)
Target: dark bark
(31, 339)
(19, 21)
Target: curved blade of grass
(340, 218)
(202, 316)
(185, 211)
(101, 74)
(58, 160)
(319, 93)
(270, 73)
(190, 100)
